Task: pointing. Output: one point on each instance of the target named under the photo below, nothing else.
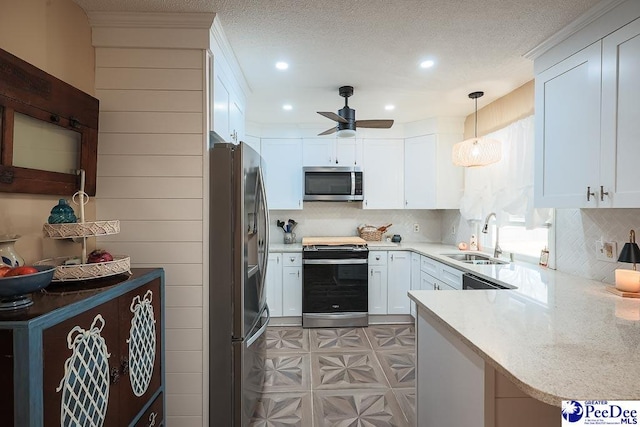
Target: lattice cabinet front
(97, 366)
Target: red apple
(99, 255)
(21, 271)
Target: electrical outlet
(606, 251)
(416, 228)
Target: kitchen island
(556, 337)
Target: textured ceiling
(375, 46)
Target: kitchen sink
(477, 259)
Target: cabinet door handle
(589, 194)
(391, 257)
(292, 259)
(377, 257)
(603, 193)
(298, 273)
(372, 272)
(152, 419)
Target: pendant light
(476, 151)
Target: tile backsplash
(577, 231)
(342, 219)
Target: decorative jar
(8, 254)
(62, 213)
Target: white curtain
(505, 187)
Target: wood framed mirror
(48, 131)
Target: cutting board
(623, 293)
(350, 240)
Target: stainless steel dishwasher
(471, 281)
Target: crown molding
(578, 24)
(198, 20)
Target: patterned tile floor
(339, 377)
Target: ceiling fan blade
(380, 124)
(329, 131)
(333, 116)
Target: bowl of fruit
(17, 282)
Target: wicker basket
(370, 233)
(120, 264)
(81, 229)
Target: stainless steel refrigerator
(238, 312)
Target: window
(525, 244)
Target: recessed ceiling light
(389, 107)
(427, 64)
(287, 107)
(282, 65)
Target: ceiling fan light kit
(476, 151)
(346, 118)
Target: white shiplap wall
(151, 176)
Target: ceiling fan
(346, 118)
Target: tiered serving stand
(80, 231)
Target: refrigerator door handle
(263, 204)
(260, 331)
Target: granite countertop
(556, 336)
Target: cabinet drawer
(430, 266)
(377, 257)
(154, 415)
(291, 260)
(451, 276)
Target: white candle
(627, 280)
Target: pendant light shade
(476, 151)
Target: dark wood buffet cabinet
(86, 354)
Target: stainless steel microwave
(332, 184)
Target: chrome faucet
(497, 250)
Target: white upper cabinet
(228, 110)
(331, 152)
(568, 131)
(383, 174)
(220, 105)
(283, 172)
(236, 119)
(621, 116)
(420, 172)
(587, 127)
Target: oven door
(335, 286)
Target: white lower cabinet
(274, 284)
(291, 284)
(284, 284)
(452, 277)
(398, 282)
(389, 282)
(415, 279)
(378, 282)
(441, 276)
